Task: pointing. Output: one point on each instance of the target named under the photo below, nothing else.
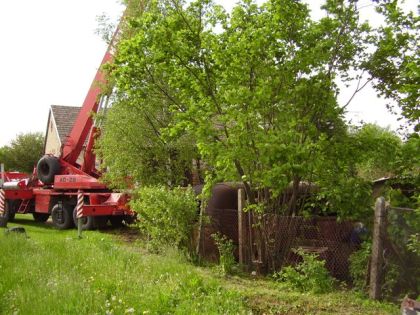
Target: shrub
(402, 260)
(225, 247)
(360, 272)
(413, 244)
(310, 275)
(166, 216)
(394, 277)
(359, 267)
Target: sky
(50, 53)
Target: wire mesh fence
(270, 241)
(282, 236)
(400, 268)
(267, 242)
(224, 221)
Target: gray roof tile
(64, 117)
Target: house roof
(64, 117)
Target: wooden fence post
(377, 249)
(241, 226)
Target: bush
(413, 244)
(401, 264)
(396, 273)
(310, 275)
(226, 258)
(359, 267)
(166, 216)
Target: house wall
(52, 141)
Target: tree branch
(358, 89)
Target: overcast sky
(50, 53)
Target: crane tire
(88, 223)
(5, 217)
(11, 208)
(61, 215)
(100, 222)
(3, 221)
(40, 217)
(48, 166)
(116, 221)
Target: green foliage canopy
(23, 153)
(253, 91)
(378, 149)
(394, 66)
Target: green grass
(268, 297)
(53, 272)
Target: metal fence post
(79, 213)
(3, 215)
(377, 249)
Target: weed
(359, 267)
(310, 275)
(226, 258)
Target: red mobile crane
(56, 182)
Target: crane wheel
(48, 166)
(88, 223)
(100, 222)
(10, 210)
(116, 221)
(3, 221)
(61, 215)
(40, 217)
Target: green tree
(378, 150)
(254, 91)
(3, 155)
(132, 144)
(394, 66)
(407, 163)
(23, 153)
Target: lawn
(53, 272)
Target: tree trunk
(294, 197)
(247, 187)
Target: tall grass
(52, 272)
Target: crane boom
(73, 145)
